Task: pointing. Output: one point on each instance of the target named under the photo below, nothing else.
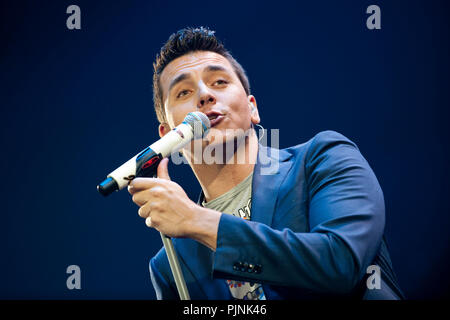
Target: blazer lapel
(270, 170)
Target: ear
(254, 114)
(163, 129)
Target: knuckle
(156, 192)
(156, 206)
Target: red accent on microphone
(150, 162)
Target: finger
(148, 222)
(163, 170)
(145, 196)
(142, 183)
(130, 189)
(141, 197)
(145, 210)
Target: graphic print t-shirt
(237, 202)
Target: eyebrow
(213, 68)
(178, 79)
(185, 76)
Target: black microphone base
(108, 186)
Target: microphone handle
(175, 267)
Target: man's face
(206, 81)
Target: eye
(220, 82)
(182, 93)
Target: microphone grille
(199, 123)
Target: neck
(218, 178)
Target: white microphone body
(172, 141)
(144, 164)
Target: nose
(206, 98)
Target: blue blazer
(317, 223)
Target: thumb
(163, 171)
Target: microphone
(144, 164)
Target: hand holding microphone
(166, 207)
(163, 203)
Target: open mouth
(215, 117)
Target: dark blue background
(75, 104)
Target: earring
(261, 128)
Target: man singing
(308, 230)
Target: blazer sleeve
(346, 223)
(160, 282)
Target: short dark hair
(185, 41)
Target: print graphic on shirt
(244, 212)
(246, 290)
(256, 294)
